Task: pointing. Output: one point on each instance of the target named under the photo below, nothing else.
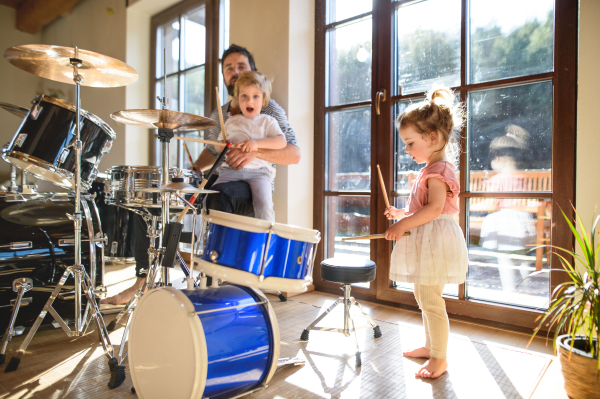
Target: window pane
(510, 138)
(348, 153)
(193, 91)
(427, 49)
(167, 41)
(501, 254)
(349, 63)
(194, 38)
(505, 43)
(347, 217)
(172, 93)
(338, 10)
(194, 148)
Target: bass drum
(37, 241)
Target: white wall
(280, 35)
(588, 124)
(17, 87)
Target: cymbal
(14, 109)
(162, 118)
(52, 62)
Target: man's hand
(248, 145)
(237, 159)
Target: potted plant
(575, 313)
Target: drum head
(167, 349)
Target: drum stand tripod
(82, 280)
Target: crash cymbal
(15, 109)
(52, 62)
(163, 118)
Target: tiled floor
(484, 362)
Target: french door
(513, 66)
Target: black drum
(118, 226)
(37, 241)
(44, 144)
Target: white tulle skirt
(434, 253)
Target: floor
(484, 362)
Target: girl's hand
(395, 232)
(394, 213)
(248, 145)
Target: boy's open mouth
(250, 109)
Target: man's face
(233, 65)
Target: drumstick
(220, 114)
(371, 237)
(189, 155)
(217, 143)
(383, 190)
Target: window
(185, 53)
(513, 66)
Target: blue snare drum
(216, 342)
(258, 253)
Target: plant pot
(579, 368)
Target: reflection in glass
(510, 138)
(502, 238)
(339, 10)
(349, 63)
(193, 37)
(348, 150)
(347, 217)
(193, 91)
(167, 41)
(505, 43)
(427, 50)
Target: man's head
(235, 60)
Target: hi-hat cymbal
(163, 118)
(52, 62)
(14, 109)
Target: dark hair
(234, 48)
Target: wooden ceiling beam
(33, 15)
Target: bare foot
(432, 368)
(124, 296)
(419, 352)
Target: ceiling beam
(33, 15)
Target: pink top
(419, 195)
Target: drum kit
(217, 341)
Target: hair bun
(440, 96)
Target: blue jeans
(233, 197)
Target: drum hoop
(46, 166)
(137, 168)
(86, 114)
(197, 332)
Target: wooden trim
(564, 127)
(319, 136)
(342, 107)
(346, 193)
(338, 24)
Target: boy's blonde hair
(440, 112)
(256, 79)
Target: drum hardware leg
(95, 314)
(20, 286)
(284, 362)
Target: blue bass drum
(217, 342)
(258, 253)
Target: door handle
(380, 96)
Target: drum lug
(100, 240)
(214, 256)
(20, 139)
(35, 111)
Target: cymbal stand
(82, 280)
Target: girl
(251, 130)
(435, 253)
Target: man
(233, 197)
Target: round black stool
(346, 272)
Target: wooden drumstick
(383, 190)
(189, 155)
(371, 237)
(221, 115)
(217, 143)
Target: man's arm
(204, 161)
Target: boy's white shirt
(239, 128)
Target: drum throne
(346, 272)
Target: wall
(17, 87)
(588, 135)
(280, 34)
